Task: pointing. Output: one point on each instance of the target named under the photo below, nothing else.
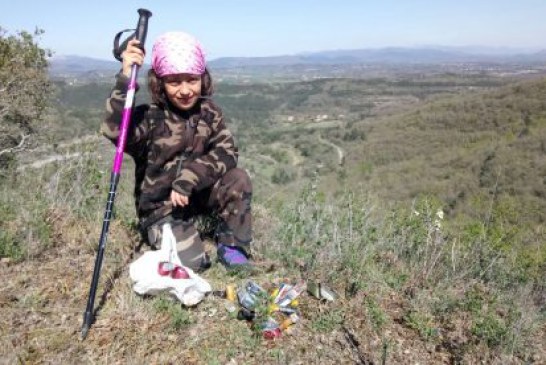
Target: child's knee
(239, 179)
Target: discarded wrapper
(287, 293)
(270, 329)
(230, 306)
(320, 291)
(327, 293)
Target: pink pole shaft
(125, 121)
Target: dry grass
(43, 300)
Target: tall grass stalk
(413, 249)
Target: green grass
(180, 317)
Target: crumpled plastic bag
(147, 280)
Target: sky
(256, 28)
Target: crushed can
(293, 318)
(271, 334)
(179, 273)
(248, 294)
(290, 294)
(246, 315)
(288, 310)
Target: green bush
(25, 88)
(377, 316)
(24, 222)
(328, 321)
(10, 247)
(490, 329)
(422, 323)
(282, 175)
(179, 316)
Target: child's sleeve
(139, 126)
(205, 170)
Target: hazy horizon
(245, 28)
(478, 50)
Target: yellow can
(274, 293)
(271, 308)
(231, 293)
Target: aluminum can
(271, 334)
(231, 294)
(179, 273)
(164, 268)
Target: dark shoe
(205, 263)
(232, 256)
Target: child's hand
(178, 199)
(133, 54)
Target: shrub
(9, 246)
(25, 88)
(179, 316)
(282, 175)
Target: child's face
(183, 90)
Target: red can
(271, 334)
(179, 273)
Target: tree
(24, 90)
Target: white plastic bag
(147, 280)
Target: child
(185, 156)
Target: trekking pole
(140, 34)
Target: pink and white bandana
(177, 52)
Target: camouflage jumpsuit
(193, 153)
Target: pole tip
(85, 330)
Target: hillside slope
(489, 144)
(412, 285)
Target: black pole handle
(140, 34)
(142, 26)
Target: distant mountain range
(82, 66)
(391, 55)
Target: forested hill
(470, 150)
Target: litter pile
(270, 312)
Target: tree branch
(19, 146)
